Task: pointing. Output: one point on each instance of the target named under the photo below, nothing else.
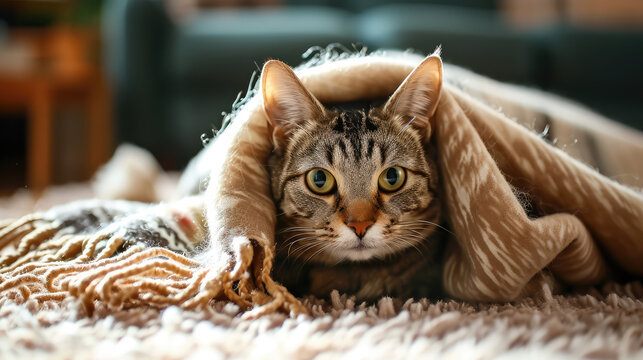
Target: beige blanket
(591, 230)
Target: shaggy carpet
(607, 323)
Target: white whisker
(301, 250)
(324, 247)
(300, 240)
(296, 228)
(416, 222)
(408, 243)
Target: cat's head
(352, 185)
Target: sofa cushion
(473, 38)
(600, 68)
(224, 46)
(582, 58)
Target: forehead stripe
(329, 154)
(382, 153)
(369, 149)
(339, 124)
(342, 147)
(356, 143)
(369, 124)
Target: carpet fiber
(554, 327)
(606, 324)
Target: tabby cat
(357, 188)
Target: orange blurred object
(584, 13)
(42, 68)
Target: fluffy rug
(606, 324)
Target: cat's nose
(360, 227)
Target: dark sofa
(173, 80)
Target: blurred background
(79, 77)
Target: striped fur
(355, 144)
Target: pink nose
(360, 227)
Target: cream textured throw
(116, 253)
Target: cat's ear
(415, 101)
(286, 101)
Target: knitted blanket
(218, 244)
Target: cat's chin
(353, 249)
(357, 254)
(360, 254)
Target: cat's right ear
(286, 101)
(416, 100)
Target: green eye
(392, 179)
(320, 181)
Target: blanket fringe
(48, 265)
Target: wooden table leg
(40, 138)
(99, 130)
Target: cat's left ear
(415, 101)
(286, 101)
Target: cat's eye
(392, 179)
(320, 181)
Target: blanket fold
(499, 249)
(219, 244)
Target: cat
(356, 188)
